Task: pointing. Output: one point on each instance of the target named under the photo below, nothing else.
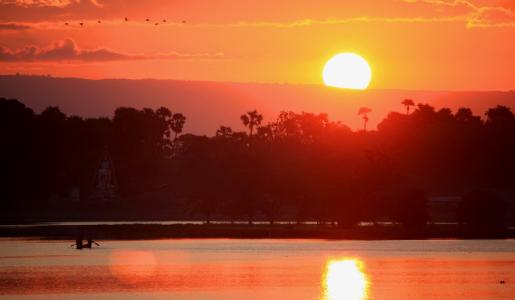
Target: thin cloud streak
(471, 14)
(68, 51)
(75, 24)
(479, 16)
(489, 17)
(14, 26)
(309, 22)
(47, 3)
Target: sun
(347, 70)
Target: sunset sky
(410, 44)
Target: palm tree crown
(364, 112)
(408, 103)
(251, 119)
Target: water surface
(259, 269)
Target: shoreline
(254, 231)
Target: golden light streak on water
(132, 267)
(345, 279)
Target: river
(259, 269)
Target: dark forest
(300, 167)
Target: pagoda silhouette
(105, 185)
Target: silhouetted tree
(500, 116)
(18, 157)
(251, 120)
(140, 142)
(408, 103)
(363, 112)
(464, 115)
(301, 166)
(500, 145)
(224, 132)
(177, 123)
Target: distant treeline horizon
(211, 104)
(300, 166)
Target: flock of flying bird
(126, 20)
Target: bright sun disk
(347, 70)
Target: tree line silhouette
(299, 167)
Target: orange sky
(410, 44)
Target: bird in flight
(126, 19)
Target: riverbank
(283, 231)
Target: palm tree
(364, 111)
(408, 103)
(251, 119)
(177, 123)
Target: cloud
(309, 22)
(68, 51)
(14, 26)
(493, 17)
(476, 16)
(47, 3)
(74, 24)
(177, 55)
(471, 13)
(487, 17)
(64, 50)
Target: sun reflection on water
(344, 279)
(132, 267)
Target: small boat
(79, 243)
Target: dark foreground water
(259, 269)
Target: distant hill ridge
(207, 105)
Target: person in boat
(78, 240)
(89, 244)
(79, 245)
